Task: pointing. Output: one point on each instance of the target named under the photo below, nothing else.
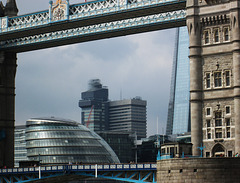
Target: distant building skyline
(178, 120)
(100, 114)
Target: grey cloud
(49, 82)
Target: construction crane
(89, 116)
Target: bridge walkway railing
(125, 172)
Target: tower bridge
(62, 173)
(64, 24)
(88, 21)
(214, 47)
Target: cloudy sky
(49, 82)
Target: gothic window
(228, 132)
(218, 133)
(208, 80)
(226, 33)
(208, 111)
(218, 119)
(218, 79)
(227, 78)
(206, 37)
(228, 110)
(216, 35)
(227, 120)
(208, 123)
(209, 136)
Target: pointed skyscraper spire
(11, 8)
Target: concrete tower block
(11, 8)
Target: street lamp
(39, 172)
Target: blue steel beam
(95, 32)
(124, 172)
(84, 14)
(126, 178)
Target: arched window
(218, 150)
(227, 78)
(216, 35)
(208, 80)
(206, 37)
(218, 79)
(226, 34)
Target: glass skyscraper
(178, 120)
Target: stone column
(234, 18)
(7, 107)
(193, 25)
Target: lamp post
(39, 172)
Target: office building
(148, 150)
(178, 120)
(129, 115)
(100, 114)
(94, 105)
(122, 144)
(20, 151)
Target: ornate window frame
(218, 79)
(216, 35)
(208, 79)
(226, 34)
(227, 78)
(206, 36)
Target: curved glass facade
(54, 141)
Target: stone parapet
(199, 170)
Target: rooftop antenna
(157, 124)
(121, 94)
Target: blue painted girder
(95, 32)
(85, 14)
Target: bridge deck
(125, 172)
(89, 21)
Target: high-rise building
(94, 105)
(178, 120)
(128, 115)
(122, 144)
(20, 151)
(99, 114)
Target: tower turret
(11, 8)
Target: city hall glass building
(56, 141)
(178, 120)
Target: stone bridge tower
(7, 95)
(214, 34)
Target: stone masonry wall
(199, 170)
